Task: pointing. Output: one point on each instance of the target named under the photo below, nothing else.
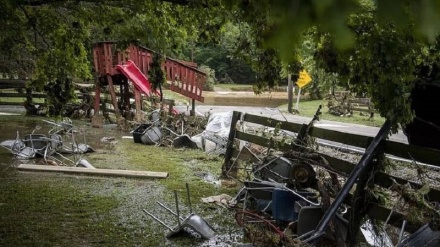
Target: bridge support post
(193, 107)
(97, 120)
(111, 89)
(137, 100)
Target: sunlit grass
(308, 109)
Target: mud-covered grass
(51, 209)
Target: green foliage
(156, 75)
(210, 80)
(322, 81)
(381, 64)
(59, 93)
(224, 56)
(48, 40)
(375, 47)
(268, 70)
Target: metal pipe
(354, 175)
(168, 209)
(158, 220)
(281, 186)
(177, 208)
(401, 232)
(189, 198)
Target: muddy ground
(48, 209)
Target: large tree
(387, 60)
(379, 48)
(49, 40)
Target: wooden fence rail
(384, 180)
(13, 98)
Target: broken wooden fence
(419, 154)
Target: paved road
(276, 114)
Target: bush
(210, 78)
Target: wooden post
(97, 120)
(137, 100)
(126, 93)
(230, 145)
(111, 89)
(193, 107)
(97, 101)
(289, 93)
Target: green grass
(38, 211)
(182, 165)
(308, 109)
(48, 209)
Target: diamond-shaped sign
(303, 79)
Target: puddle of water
(209, 178)
(83, 133)
(8, 114)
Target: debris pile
(51, 147)
(182, 131)
(295, 197)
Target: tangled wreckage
(295, 193)
(304, 196)
(51, 147)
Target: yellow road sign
(303, 79)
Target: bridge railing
(185, 79)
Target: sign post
(303, 79)
(289, 93)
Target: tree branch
(35, 3)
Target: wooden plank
(22, 95)
(360, 101)
(331, 135)
(97, 100)
(362, 109)
(395, 218)
(385, 181)
(342, 137)
(230, 144)
(12, 103)
(12, 83)
(345, 167)
(382, 179)
(342, 166)
(111, 89)
(88, 171)
(424, 155)
(420, 154)
(294, 127)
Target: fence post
(230, 145)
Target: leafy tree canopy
(386, 60)
(379, 47)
